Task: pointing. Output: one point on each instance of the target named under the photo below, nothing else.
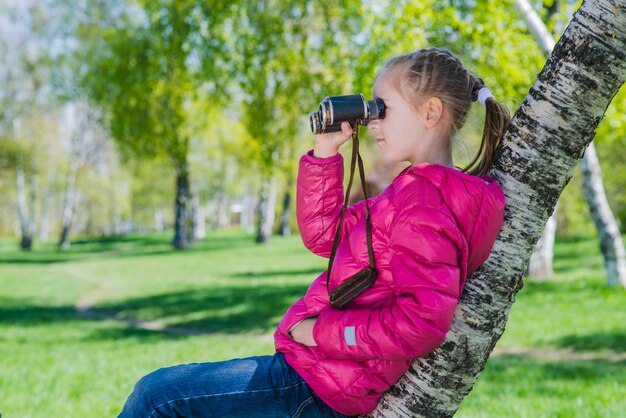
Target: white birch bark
(540, 264)
(611, 242)
(25, 211)
(610, 237)
(247, 213)
(223, 208)
(86, 143)
(69, 204)
(25, 199)
(541, 147)
(200, 218)
(159, 220)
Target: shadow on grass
(122, 246)
(23, 313)
(313, 272)
(615, 341)
(228, 309)
(142, 336)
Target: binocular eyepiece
(351, 108)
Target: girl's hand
(327, 145)
(302, 332)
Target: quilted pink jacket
(432, 227)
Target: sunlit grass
(54, 363)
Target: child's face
(400, 134)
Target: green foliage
(11, 152)
(573, 217)
(145, 91)
(227, 86)
(151, 190)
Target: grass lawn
(55, 363)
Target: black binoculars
(351, 108)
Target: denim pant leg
(262, 386)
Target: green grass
(54, 363)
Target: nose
(373, 125)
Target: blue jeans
(263, 386)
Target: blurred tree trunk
(608, 230)
(285, 224)
(199, 216)
(180, 207)
(159, 220)
(44, 217)
(611, 242)
(267, 207)
(25, 199)
(248, 208)
(69, 203)
(540, 264)
(541, 147)
(25, 206)
(85, 145)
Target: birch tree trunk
(540, 264)
(199, 230)
(25, 200)
(608, 230)
(25, 207)
(247, 213)
(69, 203)
(540, 149)
(159, 220)
(267, 206)
(44, 209)
(611, 242)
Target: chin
(393, 158)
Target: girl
(432, 227)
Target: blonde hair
(437, 72)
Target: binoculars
(351, 108)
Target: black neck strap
(368, 223)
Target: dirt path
(84, 307)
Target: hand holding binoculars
(350, 108)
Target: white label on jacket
(349, 334)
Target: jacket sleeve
(425, 266)
(319, 199)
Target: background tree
(22, 72)
(542, 145)
(284, 52)
(611, 242)
(147, 93)
(86, 142)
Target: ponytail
(497, 118)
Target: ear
(433, 111)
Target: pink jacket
(432, 227)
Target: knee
(147, 394)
